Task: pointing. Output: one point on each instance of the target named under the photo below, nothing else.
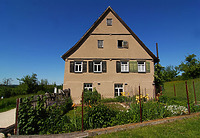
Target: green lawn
(189, 128)
(10, 103)
(181, 89)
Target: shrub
(99, 116)
(91, 97)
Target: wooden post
(140, 106)
(16, 119)
(187, 97)
(194, 94)
(82, 113)
(174, 91)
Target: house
(111, 58)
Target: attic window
(100, 43)
(122, 44)
(109, 22)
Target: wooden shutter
(135, 66)
(84, 66)
(104, 67)
(118, 66)
(147, 67)
(90, 66)
(71, 66)
(131, 66)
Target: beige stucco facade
(105, 82)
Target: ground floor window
(88, 86)
(118, 89)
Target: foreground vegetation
(98, 113)
(180, 128)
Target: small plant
(177, 109)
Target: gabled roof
(96, 23)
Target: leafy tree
(28, 84)
(158, 77)
(7, 81)
(190, 67)
(170, 73)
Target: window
(124, 66)
(78, 66)
(97, 66)
(122, 44)
(109, 22)
(88, 86)
(118, 89)
(141, 66)
(100, 43)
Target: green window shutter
(84, 66)
(71, 66)
(118, 66)
(104, 66)
(131, 66)
(134, 66)
(90, 66)
(147, 67)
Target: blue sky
(35, 33)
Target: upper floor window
(97, 66)
(124, 66)
(109, 22)
(141, 66)
(122, 44)
(78, 66)
(100, 43)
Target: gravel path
(7, 118)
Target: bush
(91, 97)
(99, 116)
(42, 119)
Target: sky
(34, 34)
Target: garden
(97, 112)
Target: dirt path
(7, 118)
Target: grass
(181, 89)
(180, 128)
(10, 103)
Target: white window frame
(100, 43)
(124, 66)
(78, 64)
(119, 87)
(88, 86)
(141, 67)
(98, 65)
(107, 22)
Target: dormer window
(109, 22)
(100, 43)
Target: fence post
(16, 119)
(187, 97)
(194, 94)
(140, 106)
(82, 112)
(174, 91)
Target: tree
(170, 73)
(190, 67)
(158, 77)
(28, 84)
(7, 81)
